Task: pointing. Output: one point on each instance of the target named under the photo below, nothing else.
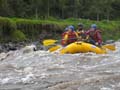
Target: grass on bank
(30, 28)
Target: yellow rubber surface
(82, 47)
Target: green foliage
(92, 9)
(20, 29)
(17, 35)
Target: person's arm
(87, 32)
(65, 39)
(77, 36)
(99, 37)
(87, 35)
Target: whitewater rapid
(41, 70)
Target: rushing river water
(41, 70)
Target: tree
(97, 8)
(116, 9)
(93, 9)
(108, 9)
(5, 9)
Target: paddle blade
(49, 42)
(54, 48)
(109, 46)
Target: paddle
(49, 42)
(109, 46)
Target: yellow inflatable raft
(82, 47)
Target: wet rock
(40, 47)
(27, 45)
(11, 46)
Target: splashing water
(41, 70)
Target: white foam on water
(106, 88)
(51, 69)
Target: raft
(79, 47)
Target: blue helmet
(94, 26)
(71, 27)
(66, 29)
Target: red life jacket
(95, 35)
(72, 37)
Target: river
(41, 70)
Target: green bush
(17, 35)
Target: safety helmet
(71, 27)
(80, 25)
(94, 26)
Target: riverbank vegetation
(18, 29)
(33, 19)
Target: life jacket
(71, 37)
(82, 34)
(95, 35)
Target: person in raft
(82, 36)
(69, 36)
(94, 35)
